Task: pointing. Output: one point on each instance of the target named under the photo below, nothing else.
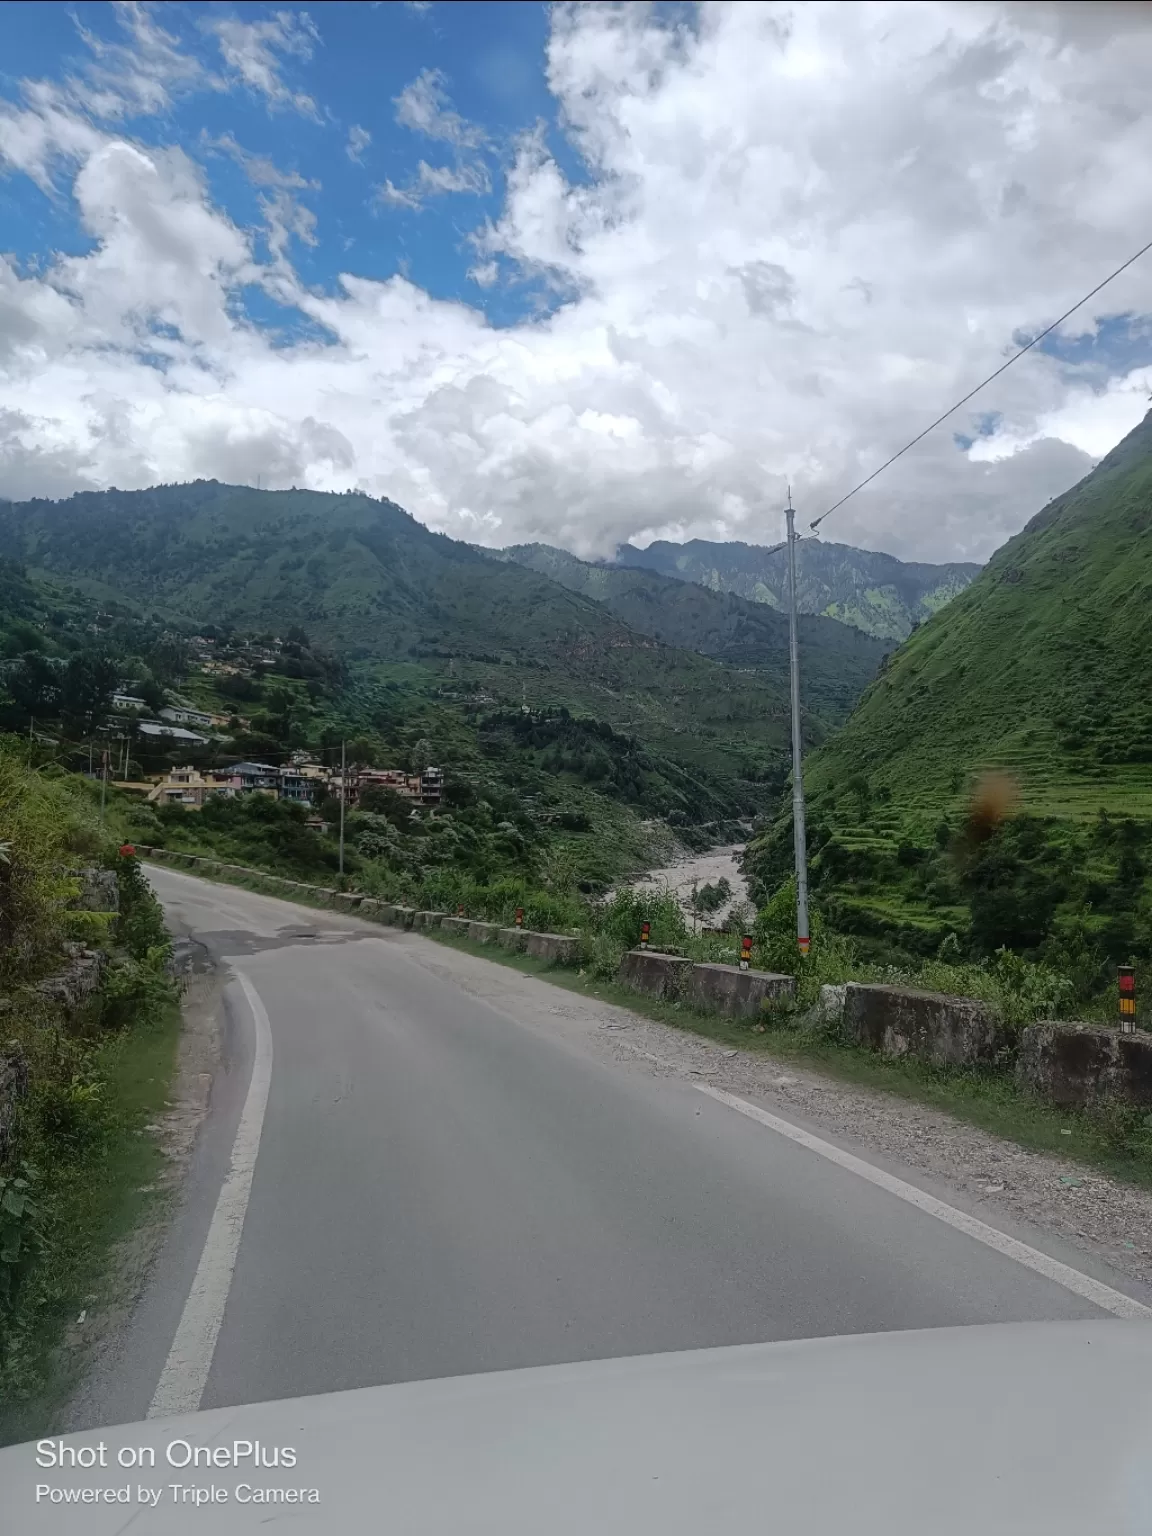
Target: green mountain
(419, 615)
(1033, 686)
(877, 593)
(838, 660)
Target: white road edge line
(185, 1372)
(1095, 1291)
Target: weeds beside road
(89, 1075)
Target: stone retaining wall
(75, 984)
(99, 891)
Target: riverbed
(701, 869)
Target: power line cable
(954, 408)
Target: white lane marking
(181, 1383)
(1095, 1291)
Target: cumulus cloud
(796, 236)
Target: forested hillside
(996, 779)
(839, 660)
(413, 611)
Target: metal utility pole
(343, 795)
(799, 835)
(103, 782)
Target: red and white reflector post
(1126, 979)
(805, 944)
(519, 917)
(745, 951)
(645, 934)
(460, 910)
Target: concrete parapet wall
(728, 989)
(901, 1021)
(559, 948)
(656, 975)
(1077, 1065)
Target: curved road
(419, 1163)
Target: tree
(168, 660)
(86, 688)
(420, 756)
(34, 684)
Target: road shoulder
(1086, 1212)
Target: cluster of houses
(302, 780)
(173, 723)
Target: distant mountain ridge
(415, 610)
(875, 592)
(838, 660)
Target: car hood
(1038, 1428)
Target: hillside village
(137, 730)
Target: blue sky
(353, 63)
(576, 272)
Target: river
(701, 869)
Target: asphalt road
(455, 1178)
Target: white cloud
(141, 74)
(484, 273)
(358, 141)
(798, 236)
(256, 52)
(392, 196)
(424, 107)
(260, 170)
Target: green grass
(92, 1201)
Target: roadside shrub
(621, 918)
(549, 912)
(604, 955)
(71, 1112)
(139, 928)
(42, 826)
(1016, 990)
(136, 989)
(21, 1236)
